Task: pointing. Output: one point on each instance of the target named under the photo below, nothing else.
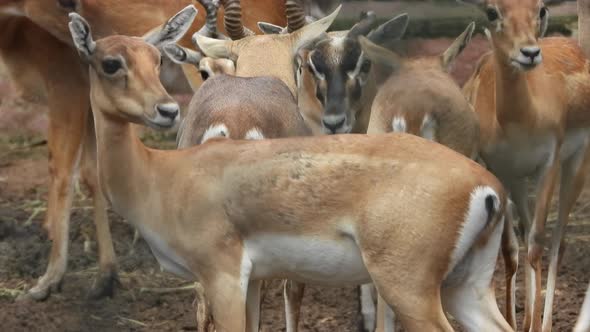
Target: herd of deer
(418, 222)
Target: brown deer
(531, 98)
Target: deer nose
(333, 122)
(168, 110)
(531, 51)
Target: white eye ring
(316, 73)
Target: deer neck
(513, 96)
(123, 163)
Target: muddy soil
(137, 304)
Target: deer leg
(469, 294)
(293, 294)
(368, 309)
(535, 238)
(67, 124)
(253, 306)
(204, 319)
(106, 279)
(519, 192)
(510, 255)
(583, 323)
(417, 304)
(385, 317)
(573, 176)
(424, 314)
(227, 294)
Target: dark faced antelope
(238, 212)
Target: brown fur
(516, 109)
(262, 103)
(420, 89)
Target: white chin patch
(164, 122)
(218, 130)
(345, 129)
(524, 63)
(254, 134)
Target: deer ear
(457, 47)
(270, 29)
(173, 29)
(181, 55)
(216, 48)
(363, 27)
(82, 36)
(391, 30)
(380, 55)
(313, 30)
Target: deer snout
(168, 110)
(166, 115)
(529, 57)
(334, 123)
(531, 51)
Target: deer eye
(111, 66)
(204, 75)
(67, 4)
(492, 14)
(366, 66)
(543, 13)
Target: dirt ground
(137, 304)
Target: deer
(534, 126)
(271, 112)
(421, 98)
(225, 106)
(336, 83)
(240, 211)
(37, 31)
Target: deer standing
(531, 98)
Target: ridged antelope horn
(210, 27)
(233, 20)
(295, 15)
